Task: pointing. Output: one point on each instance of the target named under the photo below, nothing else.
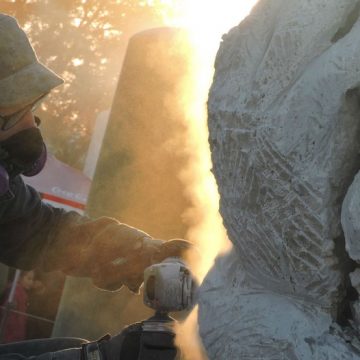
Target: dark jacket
(36, 235)
(26, 225)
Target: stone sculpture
(284, 121)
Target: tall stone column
(137, 176)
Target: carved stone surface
(355, 282)
(350, 219)
(284, 123)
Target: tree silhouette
(84, 41)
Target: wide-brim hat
(22, 77)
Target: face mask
(22, 153)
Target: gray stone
(350, 219)
(355, 306)
(284, 129)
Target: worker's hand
(96, 249)
(129, 270)
(151, 254)
(115, 254)
(111, 253)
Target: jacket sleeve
(25, 225)
(36, 235)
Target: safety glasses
(8, 121)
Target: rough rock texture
(355, 282)
(350, 219)
(284, 122)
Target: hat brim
(28, 84)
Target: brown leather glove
(111, 253)
(129, 270)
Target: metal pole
(9, 304)
(29, 315)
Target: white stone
(350, 219)
(284, 134)
(355, 306)
(240, 320)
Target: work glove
(129, 269)
(111, 253)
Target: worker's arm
(36, 235)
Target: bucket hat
(22, 77)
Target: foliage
(84, 41)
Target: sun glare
(206, 22)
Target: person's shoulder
(15, 185)
(19, 187)
(17, 181)
(19, 201)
